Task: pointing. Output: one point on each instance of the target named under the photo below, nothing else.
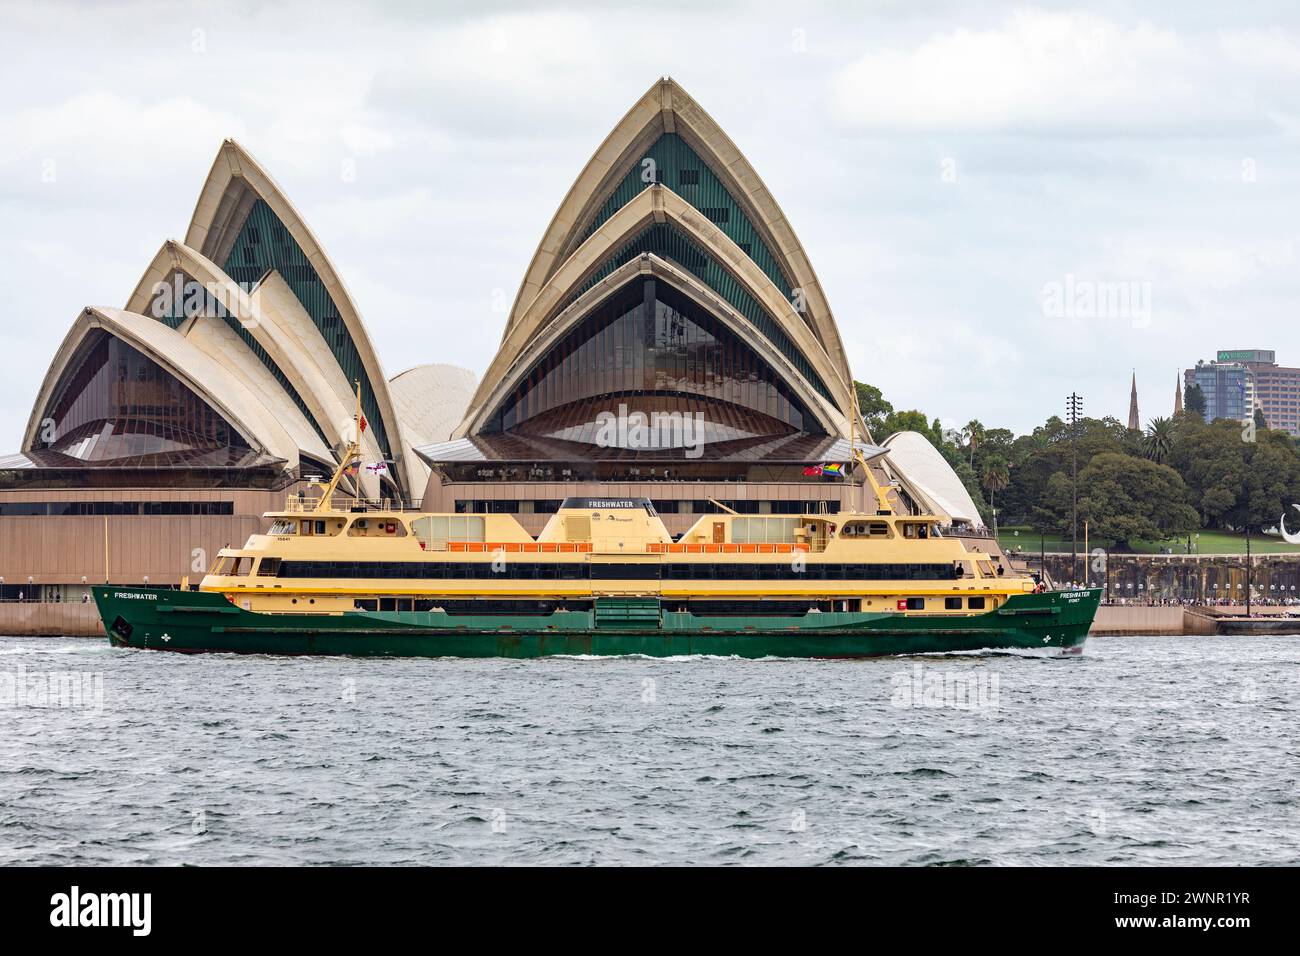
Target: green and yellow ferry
(334, 575)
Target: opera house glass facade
(164, 429)
(668, 290)
(669, 340)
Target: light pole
(1074, 408)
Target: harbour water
(1143, 750)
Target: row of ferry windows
(707, 608)
(697, 506)
(482, 570)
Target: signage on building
(1248, 355)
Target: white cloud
(1043, 71)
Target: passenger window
(975, 603)
(268, 567)
(952, 604)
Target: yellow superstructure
(345, 555)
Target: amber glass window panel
(116, 403)
(650, 339)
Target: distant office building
(1239, 381)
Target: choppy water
(1142, 751)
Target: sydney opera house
(669, 340)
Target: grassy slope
(1210, 542)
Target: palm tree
(974, 434)
(996, 477)
(1159, 439)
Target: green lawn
(1209, 542)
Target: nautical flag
(835, 470)
(378, 468)
(363, 422)
(812, 471)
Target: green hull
(192, 621)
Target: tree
(1194, 400)
(1261, 422)
(973, 433)
(1124, 499)
(1212, 461)
(1159, 439)
(995, 477)
(874, 408)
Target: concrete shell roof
(926, 469)
(236, 177)
(500, 381)
(666, 107)
(654, 204)
(432, 400)
(276, 320)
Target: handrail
(347, 503)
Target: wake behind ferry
(335, 575)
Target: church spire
(1178, 394)
(1133, 421)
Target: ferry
(338, 575)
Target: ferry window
(909, 530)
(878, 529)
(952, 604)
(435, 531)
(975, 603)
(283, 527)
(916, 604)
(242, 566)
(221, 566)
(268, 567)
(986, 568)
(763, 530)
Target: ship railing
(307, 503)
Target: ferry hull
(194, 622)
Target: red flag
(813, 471)
(363, 422)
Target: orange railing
(516, 547)
(725, 548)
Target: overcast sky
(962, 180)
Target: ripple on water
(1141, 751)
